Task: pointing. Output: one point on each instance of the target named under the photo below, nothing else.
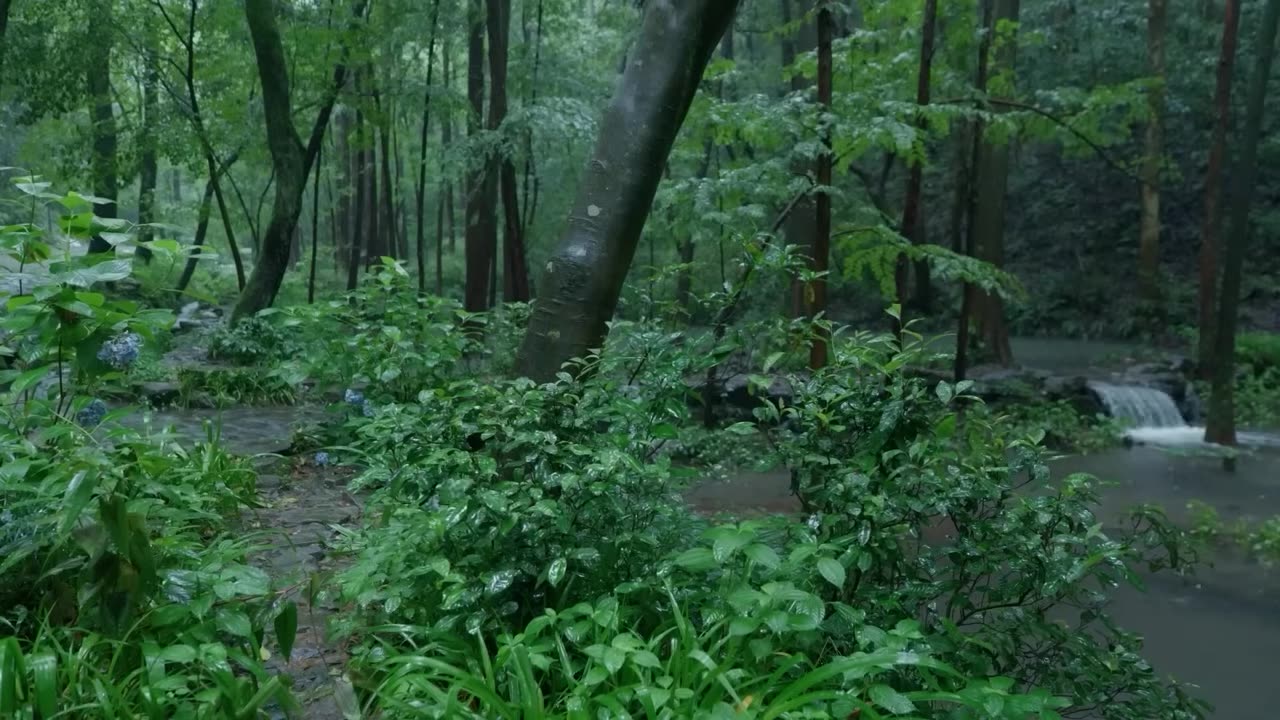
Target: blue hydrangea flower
(120, 351)
(92, 414)
(353, 397)
(322, 458)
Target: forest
(662, 359)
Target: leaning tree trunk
(289, 158)
(1213, 187)
(1153, 155)
(583, 278)
(103, 161)
(1221, 425)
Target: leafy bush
(122, 592)
(525, 557)
(253, 341)
(1259, 352)
(1063, 426)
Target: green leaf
(108, 271)
(77, 496)
(944, 391)
(44, 672)
(832, 570)
(699, 558)
(741, 428)
(891, 700)
(555, 571)
(665, 431)
(29, 378)
(235, 622)
(762, 554)
(286, 626)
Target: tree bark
(421, 189)
(387, 241)
(515, 271)
(343, 162)
(481, 230)
(148, 161)
(799, 225)
(992, 185)
(582, 281)
(1221, 425)
(1153, 155)
(1213, 187)
(202, 225)
(358, 174)
(911, 220)
(103, 162)
(816, 290)
(5, 6)
(290, 159)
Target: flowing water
(1140, 407)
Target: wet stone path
(302, 508)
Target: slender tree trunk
(1153, 156)
(1221, 425)
(515, 271)
(816, 290)
(446, 143)
(197, 245)
(799, 228)
(992, 186)
(343, 162)
(358, 231)
(481, 232)
(389, 244)
(148, 162)
(202, 226)
(315, 229)
(583, 279)
(421, 189)
(103, 161)
(531, 179)
(290, 159)
(440, 201)
(911, 220)
(969, 297)
(1213, 187)
(5, 5)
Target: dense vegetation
(802, 241)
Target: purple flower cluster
(357, 398)
(92, 414)
(322, 458)
(120, 351)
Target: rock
(159, 394)
(194, 316)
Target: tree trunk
(388, 242)
(992, 185)
(103, 162)
(968, 301)
(148, 162)
(909, 228)
(446, 142)
(1221, 425)
(1213, 187)
(1153, 155)
(202, 230)
(315, 229)
(289, 158)
(4, 24)
(583, 279)
(515, 271)
(421, 190)
(344, 163)
(799, 225)
(816, 290)
(358, 232)
(481, 233)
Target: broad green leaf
(29, 378)
(890, 699)
(832, 570)
(555, 572)
(77, 496)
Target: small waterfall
(1141, 407)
